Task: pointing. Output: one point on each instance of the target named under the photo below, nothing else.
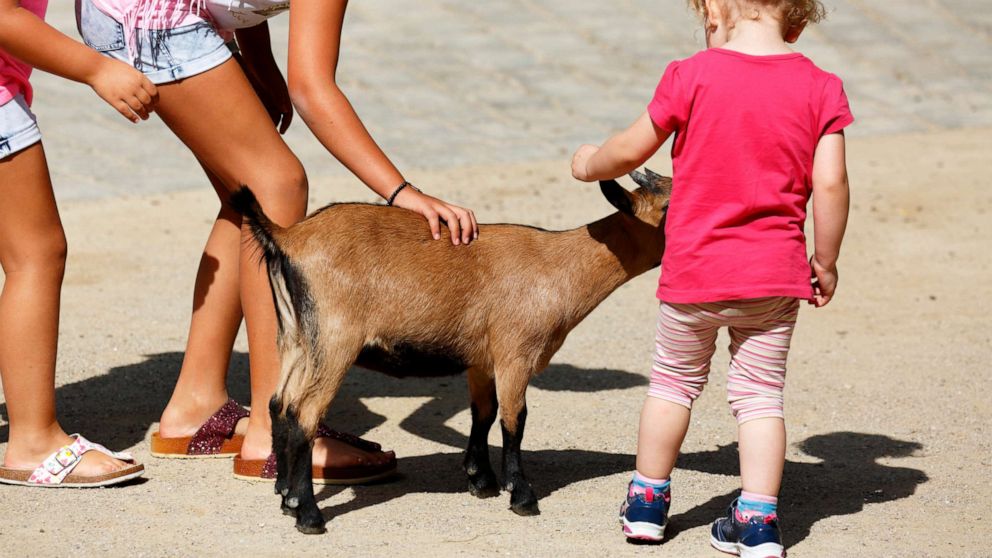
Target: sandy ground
(887, 402)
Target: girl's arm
(314, 42)
(831, 198)
(28, 38)
(263, 73)
(621, 154)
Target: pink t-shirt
(745, 131)
(14, 74)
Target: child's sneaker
(645, 514)
(757, 537)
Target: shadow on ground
(846, 478)
(119, 407)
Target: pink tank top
(14, 74)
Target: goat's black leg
(523, 500)
(280, 431)
(300, 497)
(482, 480)
(286, 459)
(282, 435)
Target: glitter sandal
(56, 470)
(216, 438)
(265, 469)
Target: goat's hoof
(483, 489)
(311, 529)
(523, 501)
(310, 522)
(526, 509)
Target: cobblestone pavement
(444, 84)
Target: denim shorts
(18, 127)
(163, 55)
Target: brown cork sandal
(264, 470)
(216, 438)
(57, 469)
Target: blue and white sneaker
(645, 515)
(757, 537)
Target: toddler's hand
(461, 222)
(824, 282)
(581, 160)
(125, 89)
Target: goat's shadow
(117, 409)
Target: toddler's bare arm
(621, 154)
(831, 198)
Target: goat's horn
(659, 184)
(641, 179)
(655, 177)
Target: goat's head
(643, 210)
(646, 204)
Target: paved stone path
(450, 83)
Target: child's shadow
(847, 478)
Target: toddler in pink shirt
(758, 131)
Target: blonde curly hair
(794, 12)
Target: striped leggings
(760, 332)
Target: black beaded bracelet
(399, 189)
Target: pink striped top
(14, 74)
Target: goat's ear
(618, 196)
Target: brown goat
(365, 284)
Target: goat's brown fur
(367, 285)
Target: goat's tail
(262, 228)
(294, 304)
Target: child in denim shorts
(33, 251)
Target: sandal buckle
(64, 458)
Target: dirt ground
(887, 401)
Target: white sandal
(56, 470)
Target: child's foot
(185, 417)
(757, 536)
(183, 434)
(28, 456)
(644, 513)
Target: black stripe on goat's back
(406, 359)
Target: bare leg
(762, 454)
(202, 385)
(684, 345)
(217, 115)
(659, 438)
(759, 354)
(32, 254)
